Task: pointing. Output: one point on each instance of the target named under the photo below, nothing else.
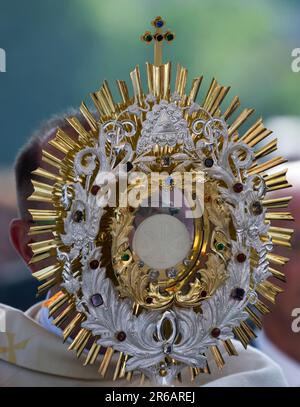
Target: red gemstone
(203, 294)
(121, 336)
(149, 300)
(215, 333)
(238, 187)
(95, 189)
(94, 264)
(241, 257)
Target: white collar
(290, 368)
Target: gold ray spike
(57, 305)
(278, 240)
(123, 89)
(246, 113)
(47, 285)
(105, 362)
(194, 90)
(251, 335)
(56, 298)
(212, 98)
(123, 367)
(64, 315)
(47, 272)
(60, 145)
(98, 105)
(261, 307)
(142, 379)
(234, 105)
(241, 336)
(41, 172)
(267, 149)
(207, 369)
(269, 290)
(43, 214)
(108, 97)
(118, 366)
(280, 186)
(159, 80)
(211, 90)
(277, 202)
(129, 376)
(38, 230)
(252, 131)
(83, 345)
(217, 356)
(192, 373)
(84, 135)
(257, 169)
(282, 231)
(72, 325)
(218, 100)
(51, 159)
(278, 274)
(43, 246)
(181, 79)
(197, 371)
(135, 76)
(40, 257)
(63, 137)
(279, 216)
(88, 117)
(101, 100)
(276, 178)
(93, 354)
(254, 318)
(230, 348)
(255, 134)
(42, 192)
(78, 339)
(277, 259)
(283, 235)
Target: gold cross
(158, 37)
(12, 347)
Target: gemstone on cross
(158, 37)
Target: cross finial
(158, 37)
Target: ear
(19, 238)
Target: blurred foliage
(60, 50)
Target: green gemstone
(220, 246)
(125, 257)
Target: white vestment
(31, 355)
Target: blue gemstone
(159, 23)
(169, 181)
(97, 300)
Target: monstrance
(144, 287)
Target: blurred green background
(60, 50)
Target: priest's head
(28, 160)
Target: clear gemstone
(172, 273)
(153, 275)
